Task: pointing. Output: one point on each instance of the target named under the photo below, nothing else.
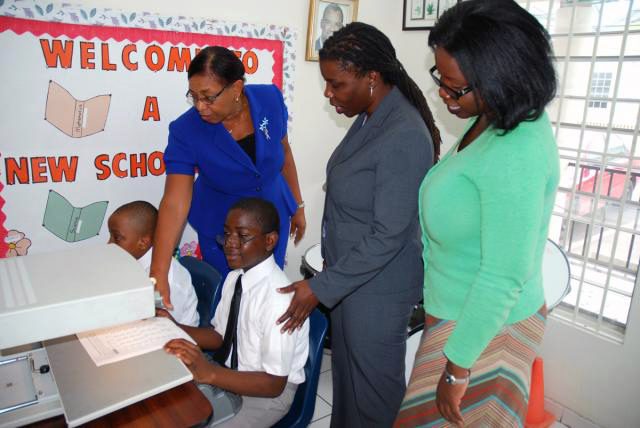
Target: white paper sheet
(112, 344)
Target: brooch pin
(264, 129)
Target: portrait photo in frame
(423, 14)
(325, 17)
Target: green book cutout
(70, 223)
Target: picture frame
(325, 17)
(423, 14)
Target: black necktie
(230, 341)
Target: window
(600, 85)
(596, 115)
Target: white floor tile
(326, 363)
(322, 423)
(557, 424)
(322, 409)
(325, 389)
(574, 420)
(553, 407)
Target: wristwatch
(452, 380)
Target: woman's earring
(238, 99)
(371, 90)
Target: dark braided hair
(365, 48)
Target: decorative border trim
(70, 14)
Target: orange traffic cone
(537, 417)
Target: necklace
(236, 118)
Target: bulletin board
(88, 95)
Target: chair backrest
(206, 280)
(304, 402)
(556, 274)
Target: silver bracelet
(301, 204)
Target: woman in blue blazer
(231, 144)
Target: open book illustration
(70, 223)
(112, 344)
(76, 118)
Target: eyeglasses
(455, 94)
(208, 100)
(227, 239)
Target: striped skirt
(498, 390)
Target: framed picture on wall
(423, 14)
(325, 17)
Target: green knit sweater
(485, 215)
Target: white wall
(316, 128)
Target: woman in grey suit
(370, 229)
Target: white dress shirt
(261, 346)
(183, 295)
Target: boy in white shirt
(131, 227)
(267, 366)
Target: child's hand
(193, 358)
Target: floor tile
(322, 423)
(553, 407)
(322, 409)
(326, 363)
(325, 389)
(574, 420)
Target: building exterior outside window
(596, 113)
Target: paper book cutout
(76, 118)
(73, 224)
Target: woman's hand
(162, 313)
(193, 358)
(303, 302)
(162, 286)
(298, 225)
(448, 397)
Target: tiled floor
(324, 400)
(322, 413)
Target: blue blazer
(225, 173)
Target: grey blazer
(370, 227)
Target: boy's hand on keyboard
(192, 357)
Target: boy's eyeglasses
(238, 239)
(208, 100)
(455, 94)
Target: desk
(182, 406)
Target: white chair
(556, 274)
(556, 281)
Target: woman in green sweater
(485, 210)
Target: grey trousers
(368, 346)
(257, 412)
(231, 410)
